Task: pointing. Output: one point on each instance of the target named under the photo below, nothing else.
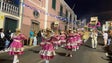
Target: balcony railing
(9, 8)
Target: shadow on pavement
(110, 61)
(5, 61)
(87, 46)
(107, 59)
(34, 51)
(101, 44)
(61, 54)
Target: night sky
(85, 8)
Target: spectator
(39, 37)
(109, 38)
(35, 39)
(8, 39)
(2, 39)
(105, 37)
(31, 38)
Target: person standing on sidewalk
(109, 37)
(31, 38)
(39, 36)
(94, 35)
(2, 39)
(16, 47)
(35, 39)
(105, 37)
(8, 39)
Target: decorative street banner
(41, 11)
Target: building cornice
(67, 6)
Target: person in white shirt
(105, 37)
(2, 41)
(94, 35)
(35, 39)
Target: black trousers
(2, 44)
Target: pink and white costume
(55, 40)
(63, 40)
(47, 51)
(70, 44)
(79, 40)
(16, 46)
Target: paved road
(85, 55)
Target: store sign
(1, 17)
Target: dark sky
(90, 7)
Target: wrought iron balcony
(9, 8)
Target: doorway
(10, 24)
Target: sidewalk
(25, 47)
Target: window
(74, 19)
(66, 13)
(70, 18)
(61, 10)
(54, 4)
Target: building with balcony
(42, 14)
(10, 17)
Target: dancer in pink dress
(47, 52)
(70, 45)
(16, 47)
(79, 40)
(55, 40)
(75, 40)
(63, 39)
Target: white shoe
(106, 54)
(6, 50)
(17, 61)
(2, 51)
(77, 47)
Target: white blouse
(105, 35)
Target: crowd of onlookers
(107, 41)
(6, 39)
(108, 44)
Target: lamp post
(46, 17)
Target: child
(35, 40)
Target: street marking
(41, 61)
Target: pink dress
(55, 40)
(63, 39)
(16, 46)
(70, 44)
(47, 52)
(79, 39)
